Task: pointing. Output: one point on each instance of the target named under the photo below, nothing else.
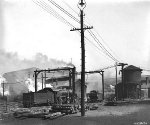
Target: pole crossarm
(122, 64)
(49, 70)
(91, 72)
(88, 27)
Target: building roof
(131, 67)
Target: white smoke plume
(11, 62)
(6, 88)
(30, 84)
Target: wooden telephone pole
(123, 86)
(81, 6)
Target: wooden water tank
(132, 75)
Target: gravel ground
(113, 110)
(134, 114)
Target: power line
(100, 44)
(70, 7)
(56, 15)
(96, 39)
(106, 43)
(63, 10)
(50, 10)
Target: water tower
(132, 80)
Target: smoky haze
(11, 62)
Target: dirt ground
(133, 114)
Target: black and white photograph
(74, 62)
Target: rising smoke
(11, 62)
(6, 88)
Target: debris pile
(46, 112)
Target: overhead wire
(50, 10)
(85, 25)
(106, 44)
(95, 46)
(98, 42)
(54, 13)
(87, 21)
(63, 10)
(70, 7)
(92, 34)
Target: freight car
(45, 96)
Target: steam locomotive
(94, 96)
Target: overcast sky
(26, 29)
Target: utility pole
(35, 75)
(122, 66)
(3, 90)
(42, 79)
(45, 80)
(116, 89)
(102, 73)
(73, 82)
(81, 6)
(70, 79)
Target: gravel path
(113, 110)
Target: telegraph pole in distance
(3, 90)
(116, 89)
(42, 79)
(122, 66)
(81, 6)
(102, 73)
